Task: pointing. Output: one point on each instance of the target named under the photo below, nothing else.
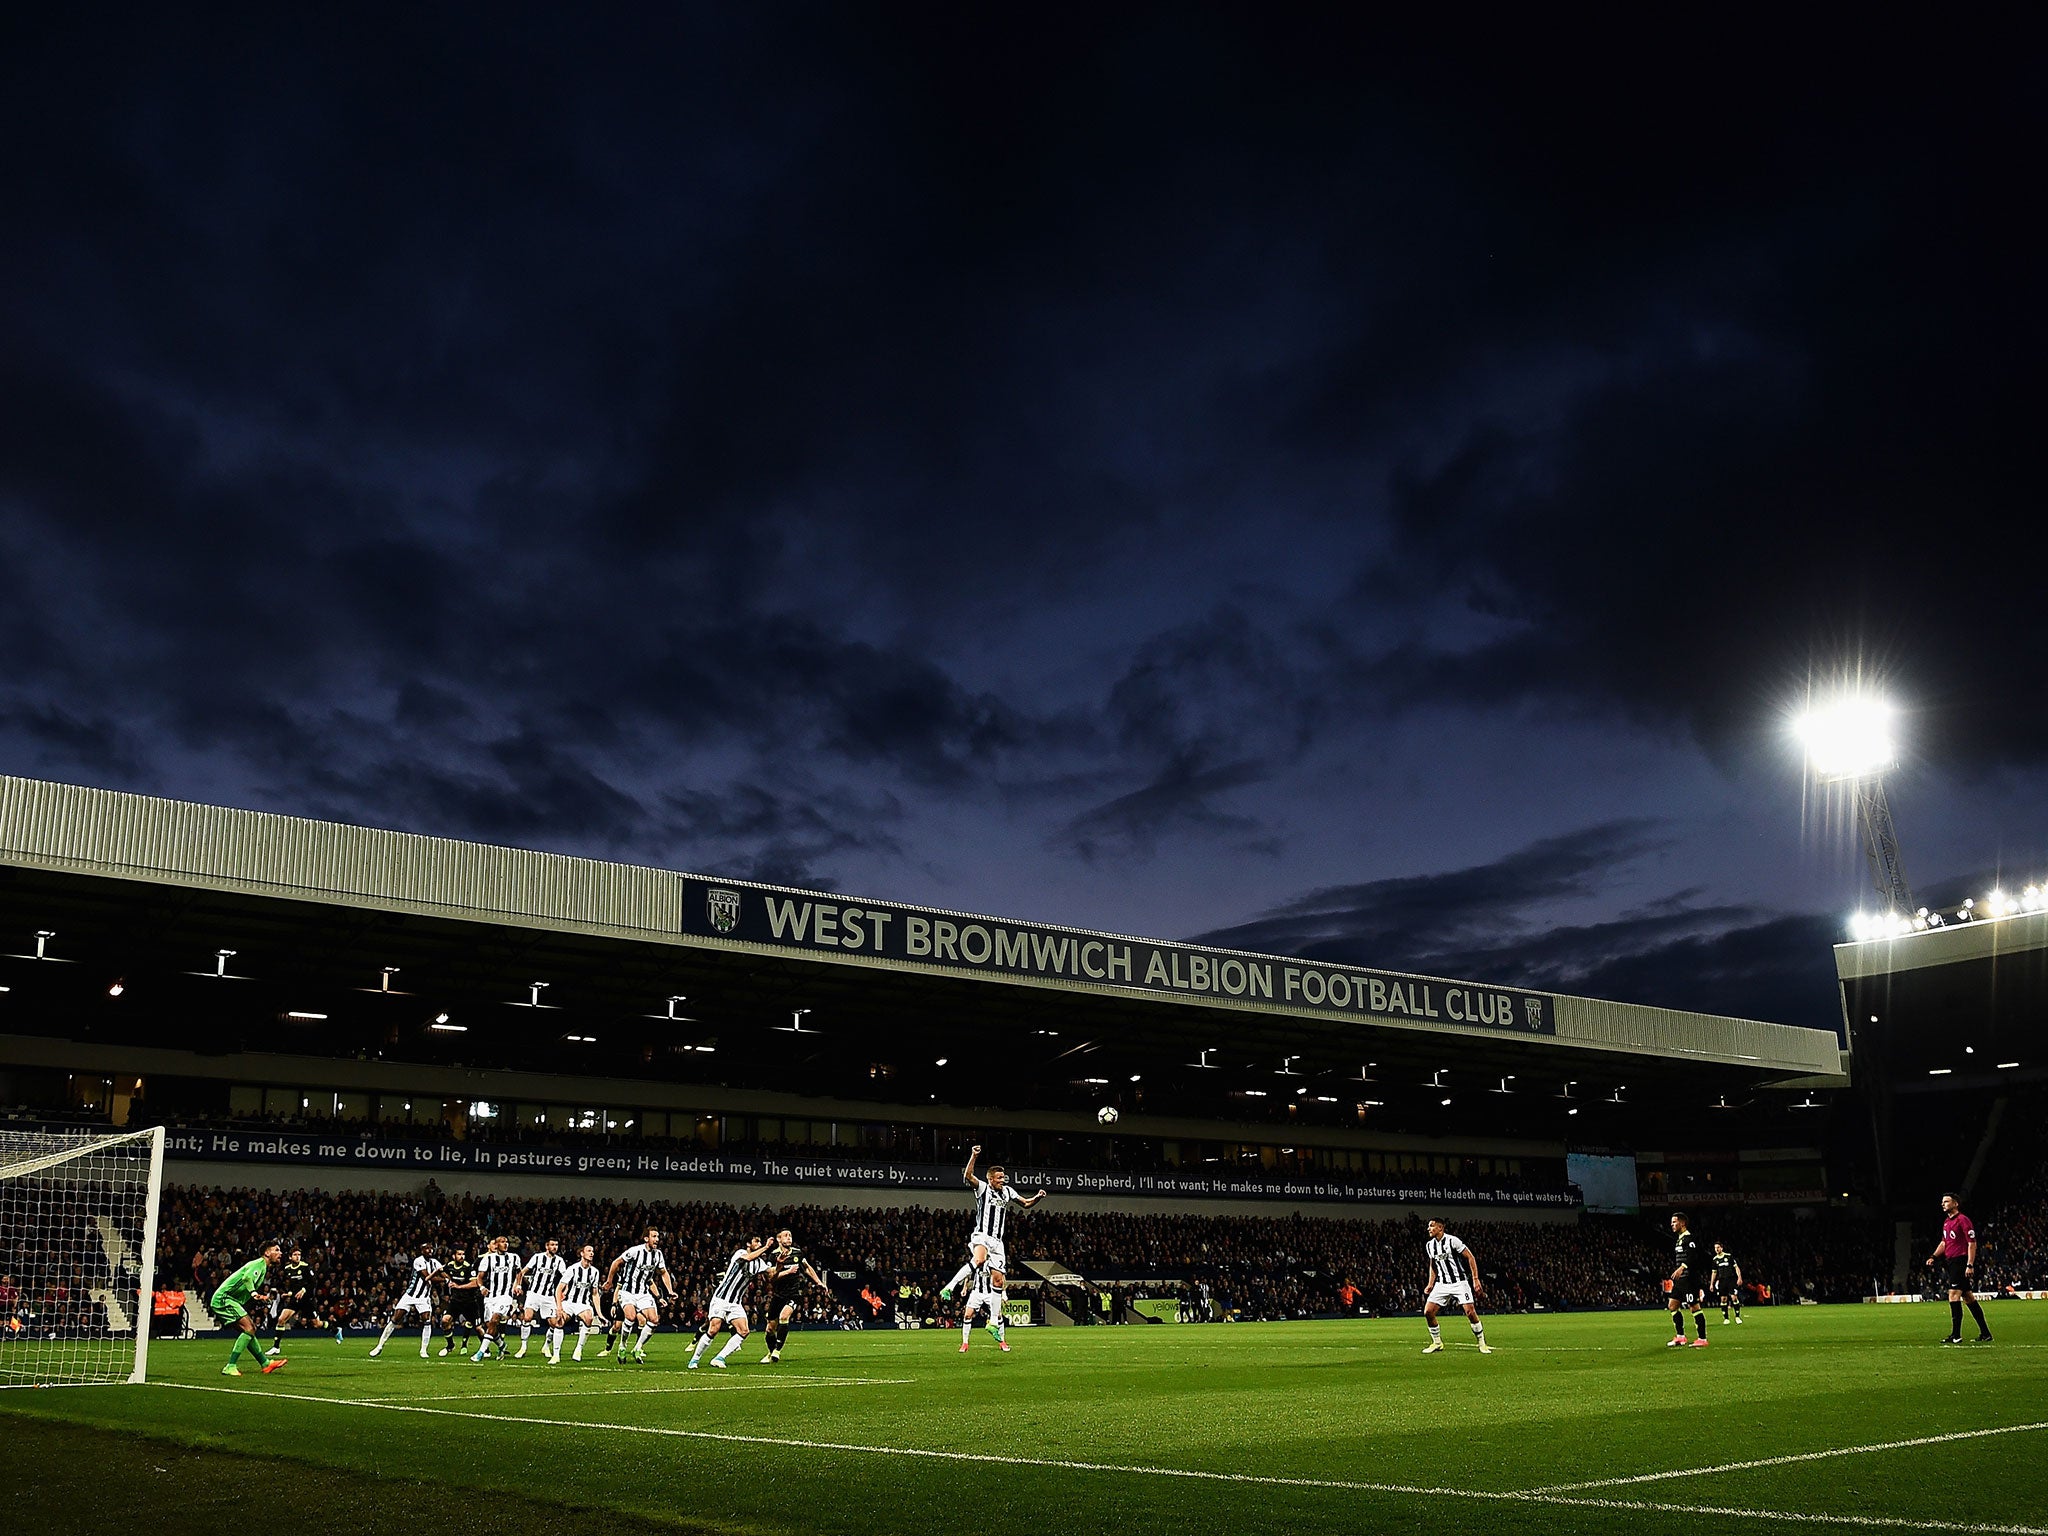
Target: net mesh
(74, 1214)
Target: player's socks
(1977, 1315)
(696, 1354)
(384, 1337)
(966, 1331)
(731, 1345)
(426, 1338)
(1479, 1330)
(646, 1333)
(1955, 1319)
(1699, 1322)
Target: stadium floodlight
(43, 937)
(1851, 740)
(221, 957)
(796, 1023)
(389, 971)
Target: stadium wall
(204, 1175)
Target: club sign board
(808, 922)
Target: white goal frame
(26, 1155)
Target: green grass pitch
(1843, 1417)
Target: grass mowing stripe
(784, 1385)
(1786, 1461)
(1529, 1496)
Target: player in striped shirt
(981, 1297)
(576, 1297)
(418, 1296)
(1451, 1281)
(785, 1264)
(498, 1271)
(632, 1278)
(993, 1198)
(728, 1300)
(543, 1271)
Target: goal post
(78, 1227)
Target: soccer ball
(1106, 1114)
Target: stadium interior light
(2003, 1066)
(1849, 738)
(940, 1062)
(1137, 1077)
(796, 1023)
(383, 980)
(1446, 1103)
(43, 937)
(1573, 1110)
(442, 1025)
(116, 988)
(1202, 1061)
(221, 957)
(301, 1016)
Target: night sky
(1194, 471)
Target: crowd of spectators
(885, 1261)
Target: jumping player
(993, 1198)
(728, 1306)
(1687, 1285)
(231, 1302)
(786, 1264)
(418, 1296)
(1451, 1282)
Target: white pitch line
(1786, 1461)
(1191, 1474)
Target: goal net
(78, 1218)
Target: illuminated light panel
(1850, 738)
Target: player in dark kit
(291, 1299)
(790, 1266)
(1954, 1261)
(465, 1311)
(1727, 1282)
(1687, 1285)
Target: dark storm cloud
(1488, 923)
(718, 436)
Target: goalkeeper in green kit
(231, 1305)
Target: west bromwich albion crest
(724, 907)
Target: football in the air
(1106, 1114)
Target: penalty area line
(1188, 1474)
(1786, 1461)
(785, 1384)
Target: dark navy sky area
(1195, 471)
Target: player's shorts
(467, 1305)
(420, 1304)
(988, 1300)
(227, 1309)
(996, 1257)
(542, 1307)
(639, 1301)
(496, 1307)
(727, 1312)
(1950, 1271)
(1722, 1287)
(1450, 1294)
(1687, 1294)
(581, 1310)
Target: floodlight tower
(1850, 741)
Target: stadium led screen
(1608, 1183)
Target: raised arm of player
(816, 1279)
(1028, 1202)
(967, 1173)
